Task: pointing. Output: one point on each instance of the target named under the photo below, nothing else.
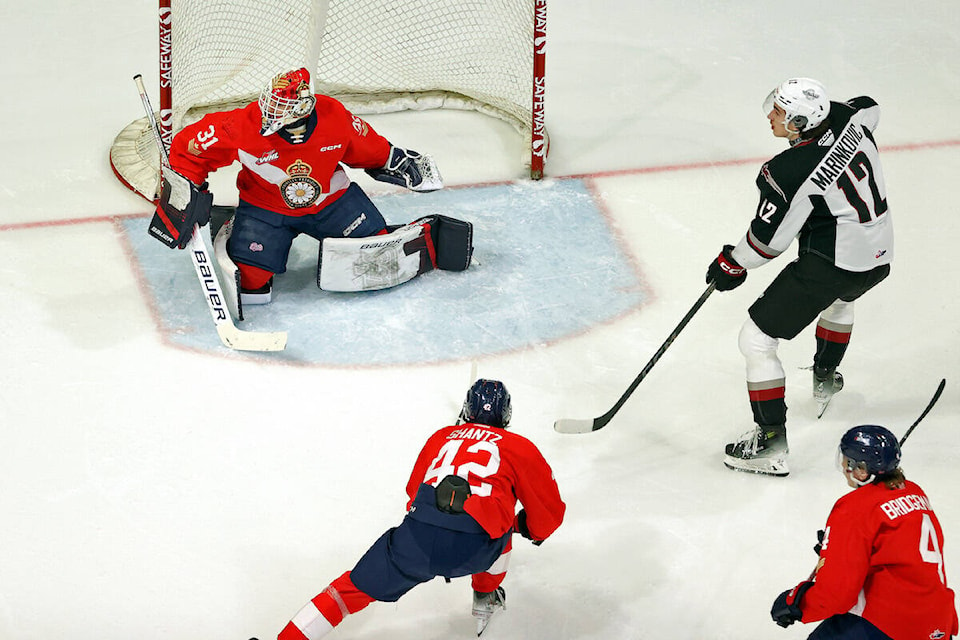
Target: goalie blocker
(378, 262)
(182, 204)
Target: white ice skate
(762, 450)
(824, 388)
(487, 604)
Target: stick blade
(570, 425)
(251, 340)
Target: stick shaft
(933, 401)
(579, 426)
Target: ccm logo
(331, 148)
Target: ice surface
(155, 486)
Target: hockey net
(375, 56)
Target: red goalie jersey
(285, 174)
(882, 559)
(501, 467)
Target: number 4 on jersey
(929, 545)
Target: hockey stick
(229, 334)
(567, 425)
(933, 401)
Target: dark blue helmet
(874, 447)
(487, 402)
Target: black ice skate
(762, 450)
(826, 382)
(487, 604)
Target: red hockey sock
(319, 616)
(493, 577)
(252, 278)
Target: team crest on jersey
(299, 189)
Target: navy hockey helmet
(803, 100)
(872, 448)
(487, 402)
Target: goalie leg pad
(376, 262)
(453, 240)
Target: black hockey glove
(409, 169)
(522, 528)
(182, 204)
(786, 608)
(725, 272)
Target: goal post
(375, 56)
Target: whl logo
(268, 156)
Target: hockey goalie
(292, 145)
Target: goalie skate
(485, 605)
(762, 450)
(825, 386)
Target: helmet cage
(287, 98)
(804, 103)
(488, 403)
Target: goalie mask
(803, 100)
(287, 98)
(488, 403)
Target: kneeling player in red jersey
(461, 514)
(881, 573)
(292, 145)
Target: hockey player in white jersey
(827, 191)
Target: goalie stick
(229, 334)
(568, 425)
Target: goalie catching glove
(409, 169)
(182, 204)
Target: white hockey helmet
(287, 98)
(804, 101)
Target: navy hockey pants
(847, 626)
(428, 543)
(263, 238)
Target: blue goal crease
(548, 267)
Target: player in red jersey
(881, 573)
(292, 145)
(461, 513)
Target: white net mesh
(374, 55)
